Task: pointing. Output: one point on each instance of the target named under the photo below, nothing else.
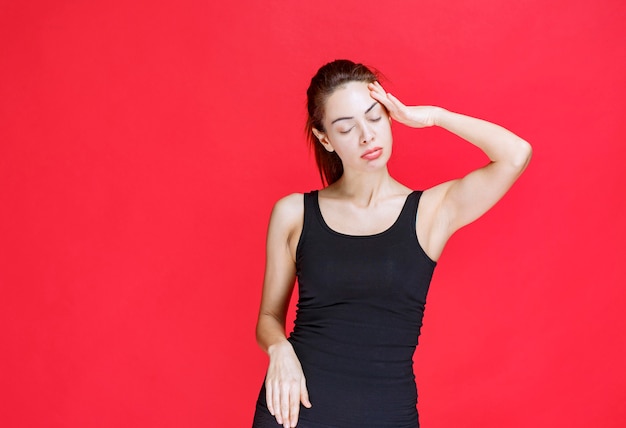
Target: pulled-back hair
(328, 78)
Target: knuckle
(289, 384)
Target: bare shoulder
(287, 221)
(289, 209)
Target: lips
(372, 153)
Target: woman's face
(357, 127)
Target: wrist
(439, 116)
(279, 346)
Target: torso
(363, 275)
(360, 306)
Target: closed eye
(345, 132)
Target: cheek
(345, 148)
(385, 128)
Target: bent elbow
(259, 330)
(523, 155)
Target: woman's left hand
(415, 117)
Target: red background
(143, 144)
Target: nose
(367, 134)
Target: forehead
(351, 99)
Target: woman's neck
(365, 188)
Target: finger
(304, 394)
(294, 408)
(378, 85)
(376, 90)
(375, 87)
(268, 398)
(276, 397)
(394, 100)
(380, 96)
(398, 110)
(284, 405)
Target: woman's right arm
(285, 383)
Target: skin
(367, 200)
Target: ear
(323, 139)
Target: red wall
(143, 143)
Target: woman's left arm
(457, 203)
(466, 199)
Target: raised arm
(285, 383)
(454, 204)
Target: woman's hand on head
(285, 385)
(415, 116)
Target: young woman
(363, 250)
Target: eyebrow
(351, 117)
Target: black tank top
(359, 314)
